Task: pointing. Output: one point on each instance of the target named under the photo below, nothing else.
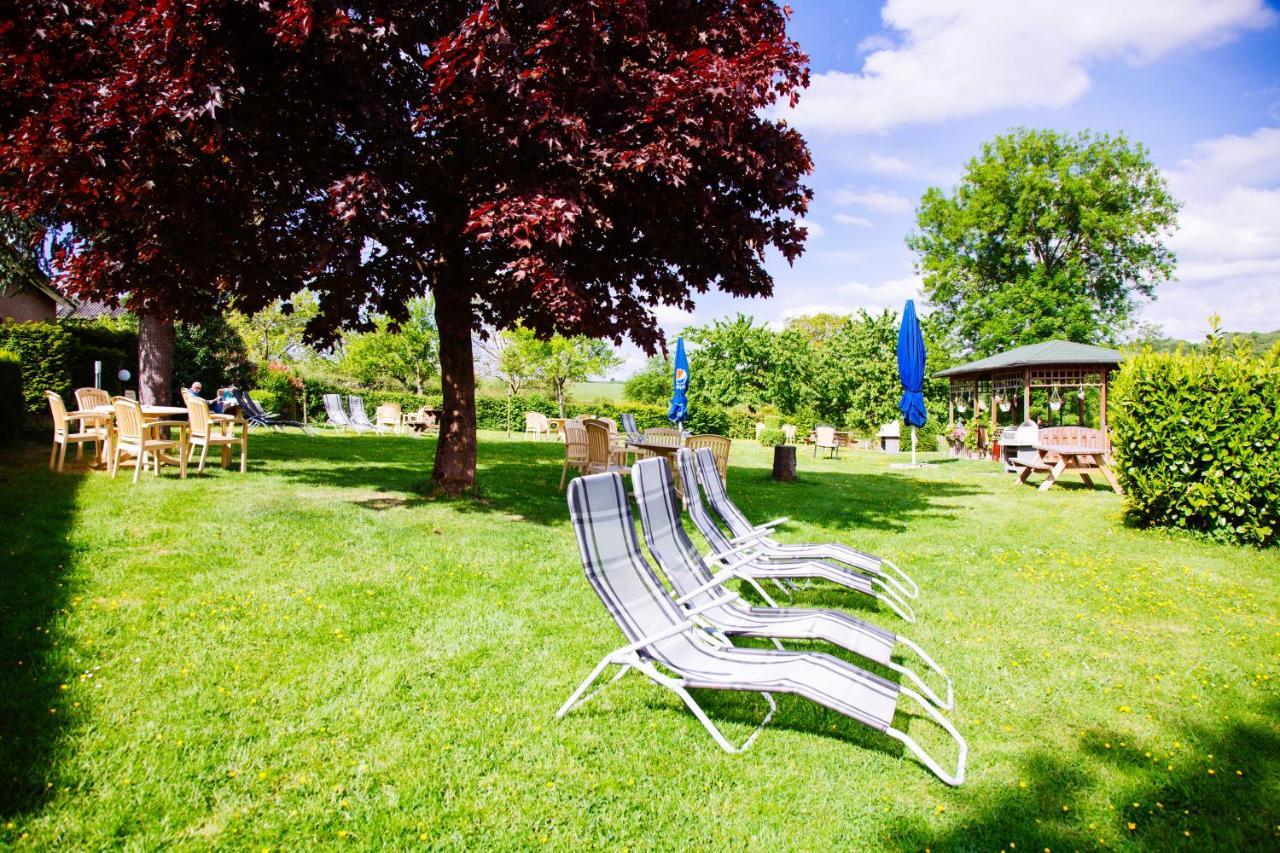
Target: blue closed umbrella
(911, 357)
(679, 410)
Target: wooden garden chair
(72, 428)
(824, 437)
(577, 454)
(207, 429)
(719, 447)
(601, 453)
(389, 415)
(142, 439)
(536, 425)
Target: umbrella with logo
(911, 357)
(679, 411)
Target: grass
(605, 392)
(312, 655)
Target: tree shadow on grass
(1237, 807)
(38, 508)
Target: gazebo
(1000, 380)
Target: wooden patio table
(153, 413)
(1073, 459)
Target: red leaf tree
(567, 165)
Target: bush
(11, 402)
(45, 351)
(1197, 442)
(772, 438)
(772, 422)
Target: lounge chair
(667, 645)
(696, 586)
(629, 427)
(337, 415)
(255, 416)
(744, 531)
(359, 418)
(783, 572)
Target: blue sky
(905, 92)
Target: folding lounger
(360, 419)
(779, 570)
(744, 531)
(255, 415)
(667, 645)
(629, 427)
(697, 588)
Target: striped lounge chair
(744, 531)
(659, 633)
(337, 416)
(750, 559)
(360, 418)
(695, 585)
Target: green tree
(792, 366)
(560, 360)
(1047, 236)
(856, 373)
(732, 363)
(651, 385)
(276, 332)
(406, 354)
(211, 352)
(512, 357)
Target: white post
(913, 445)
(97, 374)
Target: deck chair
(359, 418)
(629, 427)
(337, 415)
(667, 645)
(744, 531)
(696, 586)
(255, 416)
(782, 572)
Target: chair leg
(115, 462)
(141, 461)
(53, 454)
(79, 450)
(244, 453)
(204, 450)
(564, 473)
(62, 455)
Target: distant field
(608, 391)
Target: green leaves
(1047, 236)
(1196, 442)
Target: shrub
(772, 422)
(1197, 442)
(11, 402)
(772, 438)
(45, 351)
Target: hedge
(11, 401)
(1197, 442)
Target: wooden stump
(784, 463)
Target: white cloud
(891, 294)
(670, 316)
(1228, 243)
(944, 59)
(856, 221)
(815, 230)
(884, 164)
(880, 201)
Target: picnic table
(1059, 459)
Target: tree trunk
(560, 397)
(454, 471)
(155, 359)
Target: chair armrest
(150, 425)
(87, 415)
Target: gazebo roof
(1035, 355)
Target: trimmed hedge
(1197, 442)
(47, 352)
(11, 401)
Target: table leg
(1111, 476)
(1054, 473)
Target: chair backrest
(91, 398)
(1074, 436)
(789, 433)
(611, 424)
(713, 486)
(57, 409)
(576, 451)
(197, 415)
(824, 435)
(585, 418)
(128, 419)
(659, 510)
(250, 405)
(534, 422)
(333, 410)
(388, 412)
(688, 470)
(618, 572)
(630, 428)
(719, 447)
(662, 435)
(597, 443)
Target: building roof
(1037, 355)
(90, 311)
(22, 274)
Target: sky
(904, 93)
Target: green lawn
(311, 654)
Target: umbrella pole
(913, 445)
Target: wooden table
(667, 450)
(556, 425)
(1072, 459)
(149, 413)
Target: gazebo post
(1102, 402)
(991, 436)
(973, 419)
(1026, 394)
(951, 406)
